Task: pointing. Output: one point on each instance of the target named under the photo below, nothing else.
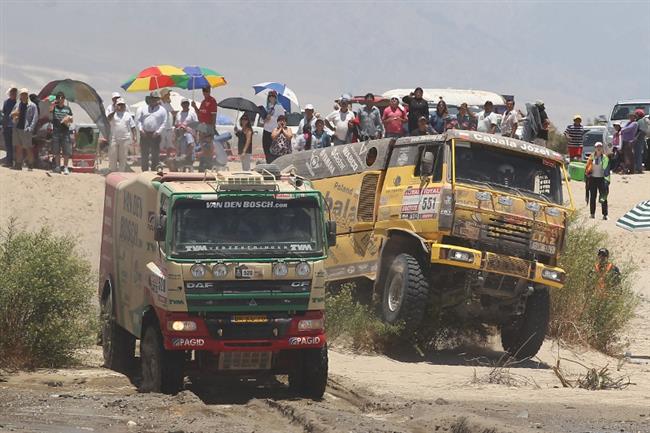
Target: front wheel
(162, 370)
(524, 338)
(308, 376)
(406, 292)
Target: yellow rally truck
(219, 273)
(464, 220)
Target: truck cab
(216, 273)
(465, 221)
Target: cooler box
(85, 155)
(577, 170)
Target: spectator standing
(465, 119)
(394, 118)
(487, 119)
(598, 170)
(424, 128)
(123, 135)
(510, 120)
(272, 112)
(639, 141)
(113, 105)
(8, 125)
(574, 134)
(542, 133)
(320, 138)
(185, 122)
(417, 107)
(341, 122)
(61, 115)
(281, 139)
(370, 125)
(629, 135)
(206, 113)
(151, 121)
(616, 147)
(24, 116)
(167, 137)
(439, 119)
(308, 119)
(244, 141)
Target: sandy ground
(366, 393)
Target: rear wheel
(118, 345)
(308, 377)
(162, 370)
(524, 338)
(406, 292)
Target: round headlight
(198, 271)
(303, 269)
(220, 270)
(280, 270)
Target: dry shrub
(462, 426)
(500, 373)
(577, 314)
(594, 378)
(46, 292)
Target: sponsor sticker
(300, 341)
(188, 342)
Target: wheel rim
(395, 293)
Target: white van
(620, 113)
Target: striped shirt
(574, 134)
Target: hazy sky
(579, 56)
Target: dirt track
(365, 394)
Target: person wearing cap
(8, 125)
(61, 117)
(151, 121)
(598, 172)
(417, 107)
(370, 124)
(24, 116)
(341, 121)
(574, 135)
(487, 119)
(394, 118)
(167, 137)
(207, 113)
(123, 136)
(424, 128)
(111, 107)
(639, 142)
(308, 119)
(607, 274)
(271, 113)
(186, 121)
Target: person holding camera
(61, 121)
(281, 139)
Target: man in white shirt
(487, 119)
(122, 136)
(151, 121)
(308, 119)
(186, 121)
(339, 121)
(111, 107)
(510, 120)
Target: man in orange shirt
(607, 273)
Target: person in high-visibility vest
(607, 273)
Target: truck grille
(507, 265)
(247, 286)
(366, 209)
(247, 331)
(500, 229)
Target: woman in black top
(244, 141)
(418, 107)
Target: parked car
(593, 134)
(620, 113)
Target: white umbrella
(637, 218)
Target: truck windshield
(247, 227)
(516, 173)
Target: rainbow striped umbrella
(154, 77)
(196, 77)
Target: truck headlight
(311, 325)
(303, 269)
(182, 326)
(198, 271)
(553, 275)
(461, 256)
(280, 270)
(483, 196)
(220, 270)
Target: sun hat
(309, 107)
(598, 144)
(577, 116)
(115, 95)
(120, 101)
(164, 92)
(23, 90)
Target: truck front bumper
(469, 258)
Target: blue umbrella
(285, 95)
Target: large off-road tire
(118, 345)
(406, 292)
(524, 338)
(162, 370)
(308, 377)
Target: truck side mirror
(160, 231)
(331, 233)
(426, 164)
